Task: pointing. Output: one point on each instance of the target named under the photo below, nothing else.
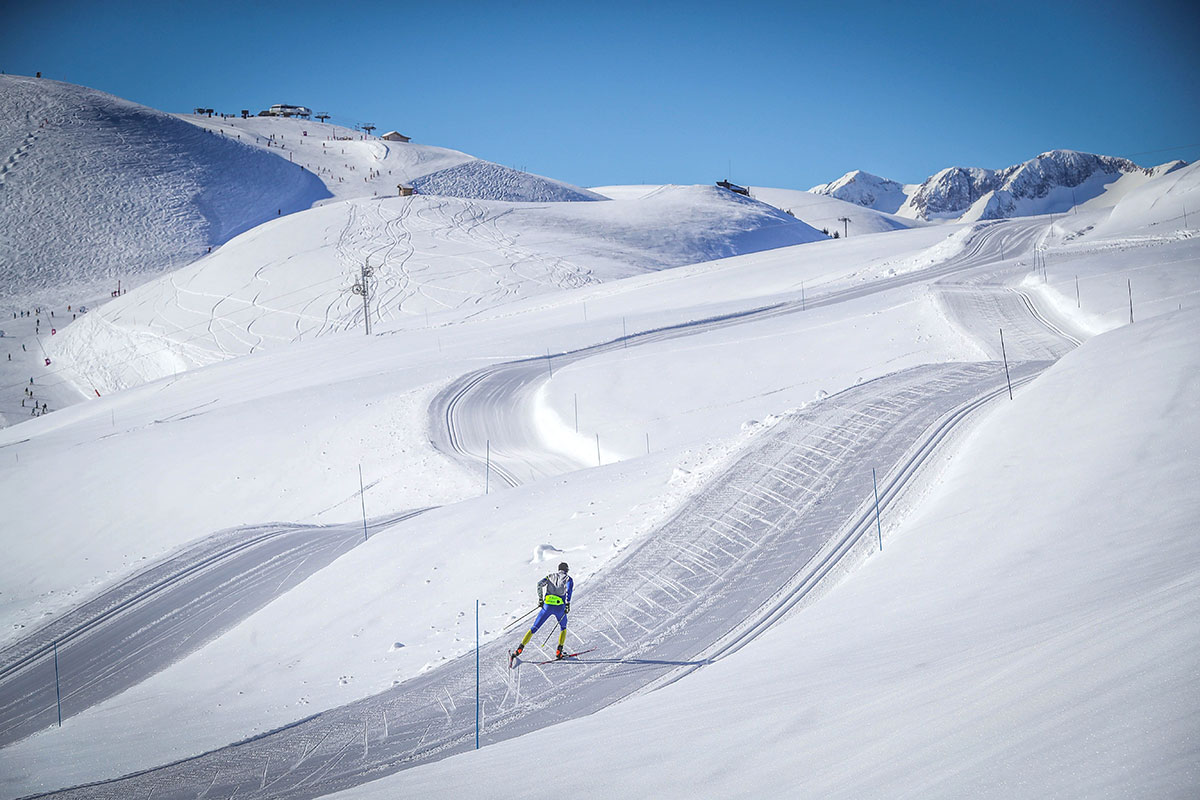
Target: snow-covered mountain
(867, 190)
(1053, 182)
(94, 189)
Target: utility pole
(363, 287)
(845, 226)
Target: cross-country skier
(554, 600)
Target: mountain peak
(864, 189)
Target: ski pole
(548, 635)
(518, 619)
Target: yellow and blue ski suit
(554, 597)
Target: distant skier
(554, 600)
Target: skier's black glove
(566, 608)
(541, 603)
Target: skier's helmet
(563, 567)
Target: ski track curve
(481, 411)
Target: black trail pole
(1005, 357)
(878, 527)
(362, 496)
(476, 674)
(518, 619)
(1129, 283)
(57, 688)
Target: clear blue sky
(775, 94)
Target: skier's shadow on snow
(641, 662)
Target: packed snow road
(752, 546)
(158, 616)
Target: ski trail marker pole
(362, 496)
(878, 528)
(1005, 357)
(476, 674)
(57, 689)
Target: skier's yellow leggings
(562, 637)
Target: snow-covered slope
(1053, 182)
(1162, 207)
(435, 259)
(354, 164)
(96, 189)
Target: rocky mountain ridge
(1052, 182)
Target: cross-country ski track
(159, 615)
(800, 490)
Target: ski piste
(514, 659)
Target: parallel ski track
(228, 580)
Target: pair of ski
(514, 659)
